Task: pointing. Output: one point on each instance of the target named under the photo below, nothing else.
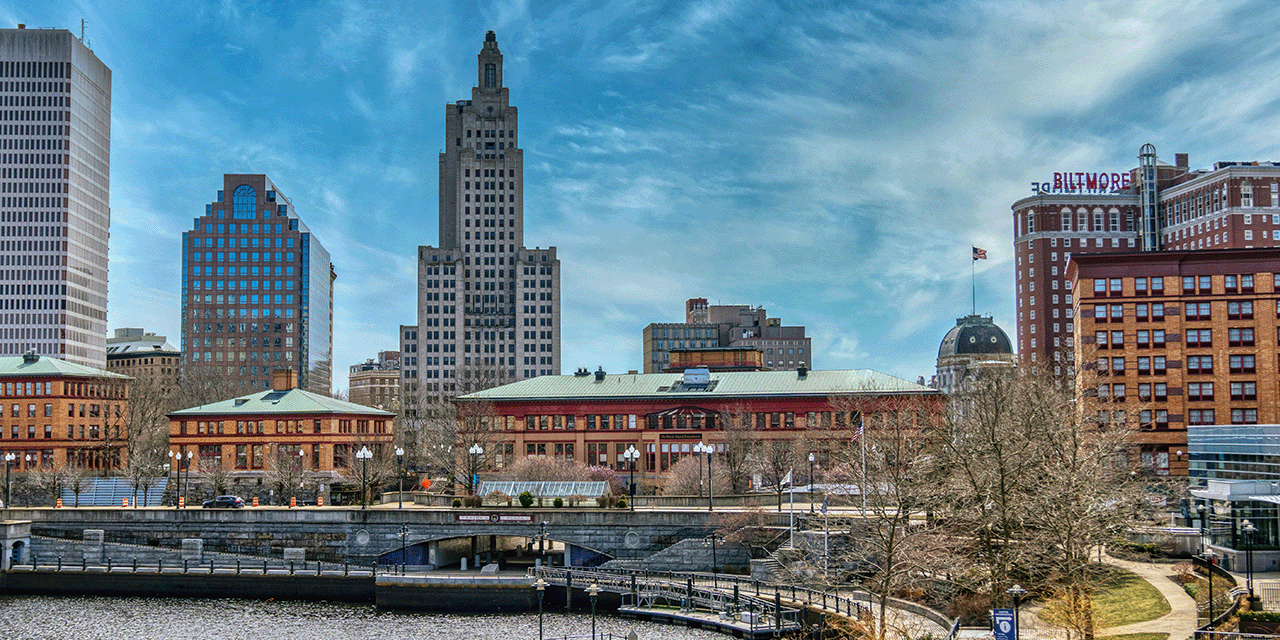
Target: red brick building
(1234, 205)
(243, 434)
(1178, 338)
(595, 417)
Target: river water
(92, 618)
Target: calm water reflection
(59, 618)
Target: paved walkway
(1179, 623)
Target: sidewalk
(1179, 623)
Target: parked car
(224, 502)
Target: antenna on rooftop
(82, 24)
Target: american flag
(857, 435)
(979, 254)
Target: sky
(831, 162)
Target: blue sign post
(1004, 624)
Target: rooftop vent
(697, 377)
(240, 401)
(802, 371)
(29, 358)
(582, 371)
(599, 374)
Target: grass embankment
(1122, 598)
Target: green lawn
(1123, 599)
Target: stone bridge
(435, 537)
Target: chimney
(802, 371)
(284, 379)
(30, 357)
(22, 26)
(1181, 160)
(599, 374)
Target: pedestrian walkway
(1179, 623)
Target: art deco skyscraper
(55, 159)
(488, 307)
(257, 290)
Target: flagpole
(862, 423)
(792, 509)
(973, 282)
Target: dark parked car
(224, 502)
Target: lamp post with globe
(631, 455)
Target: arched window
(490, 75)
(1066, 219)
(1246, 194)
(1097, 220)
(244, 203)
(1115, 221)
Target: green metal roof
(47, 366)
(726, 384)
(292, 401)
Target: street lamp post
(631, 455)
(363, 455)
(541, 586)
(8, 463)
(403, 533)
(302, 470)
(710, 449)
(400, 472)
(594, 592)
(1017, 592)
(1249, 529)
(476, 451)
(186, 490)
(697, 449)
(1203, 511)
(810, 482)
(1208, 557)
(176, 463)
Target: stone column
(92, 545)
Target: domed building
(974, 345)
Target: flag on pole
(786, 480)
(857, 434)
(979, 254)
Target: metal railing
(716, 590)
(239, 567)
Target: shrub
(526, 499)
(575, 499)
(558, 502)
(622, 503)
(473, 501)
(1260, 616)
(457, 502)
(603, 502)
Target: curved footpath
(1179, 623)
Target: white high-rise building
(55, 214)
(488, 307)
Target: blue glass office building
(257, 290)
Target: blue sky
(831, 162)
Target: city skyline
(739, 151)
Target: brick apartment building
(1178, 338)
(58, 413)
(1152, 208)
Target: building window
(1241, 337)
(1199, 337)
(1240, 310)
(1244, 363)
(1244, 390)
(1198, 311)
(1199, 364)
(1199, 391)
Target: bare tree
(1033, 475)
(775, 460)
(286, 472)
(215, 476)
(47, 482)
(688, 477)
(77, 479)
(739, 439)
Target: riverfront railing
(239, 567)
(846, 602)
